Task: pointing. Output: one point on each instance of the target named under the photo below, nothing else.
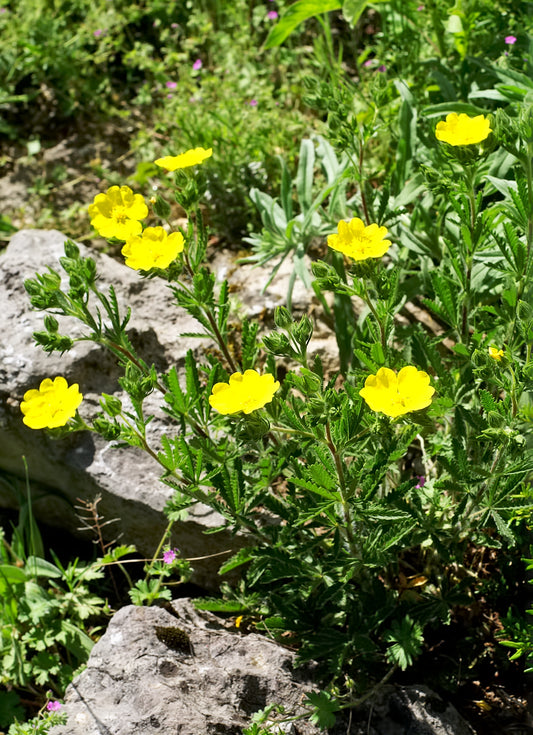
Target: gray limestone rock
(409, 710)
(185, 674)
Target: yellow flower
(184, 160)
(395, 395)
(117, 213)
(153, 249)
(52, 405)
(463, 130)
(495, 353)
(359, 242)
(245, 392)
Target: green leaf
(243, 556)
(353, 9)
(216, 605)
(12, 574)
(406, 637)
(296, 14)
(10, 709)
(305, 173)
(324, 706)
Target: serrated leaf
(243, 556)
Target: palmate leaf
(324, 706)
(406, 637)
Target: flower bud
(282, 317)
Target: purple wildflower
(510, 40)
(197, 64)
(171, 85)
(53, 706)
(169, 556)
(382, 68)
(421, 482)
(272, 15)
(253, 103)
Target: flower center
(119, 214)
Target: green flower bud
(108, 430)
(252, 427)
(111, 405)
(161, 207)
(303, 331)
(277, 343)
(50, 323)
(72, 250)
(282, 317)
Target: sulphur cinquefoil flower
(463, 130)
(496, 354)
(51, 405)
(245, 392)
(117, 213)
(184, 160)
(358, 241)
(395, 394)
(153, 249)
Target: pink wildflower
(98, 32)
(53, 706)
(368, 62)
(169, 556)
(382, 68)
(197, 64)
(171, 85)
(253, 103)
(421, 482)
(510, 40)
(272, 15)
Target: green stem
(465, 327)
(529, 176)
(284, 430)
(362, 182)
(214, 326)
(160, 387)
(348, 522)
(368, 301)
(437, 27)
